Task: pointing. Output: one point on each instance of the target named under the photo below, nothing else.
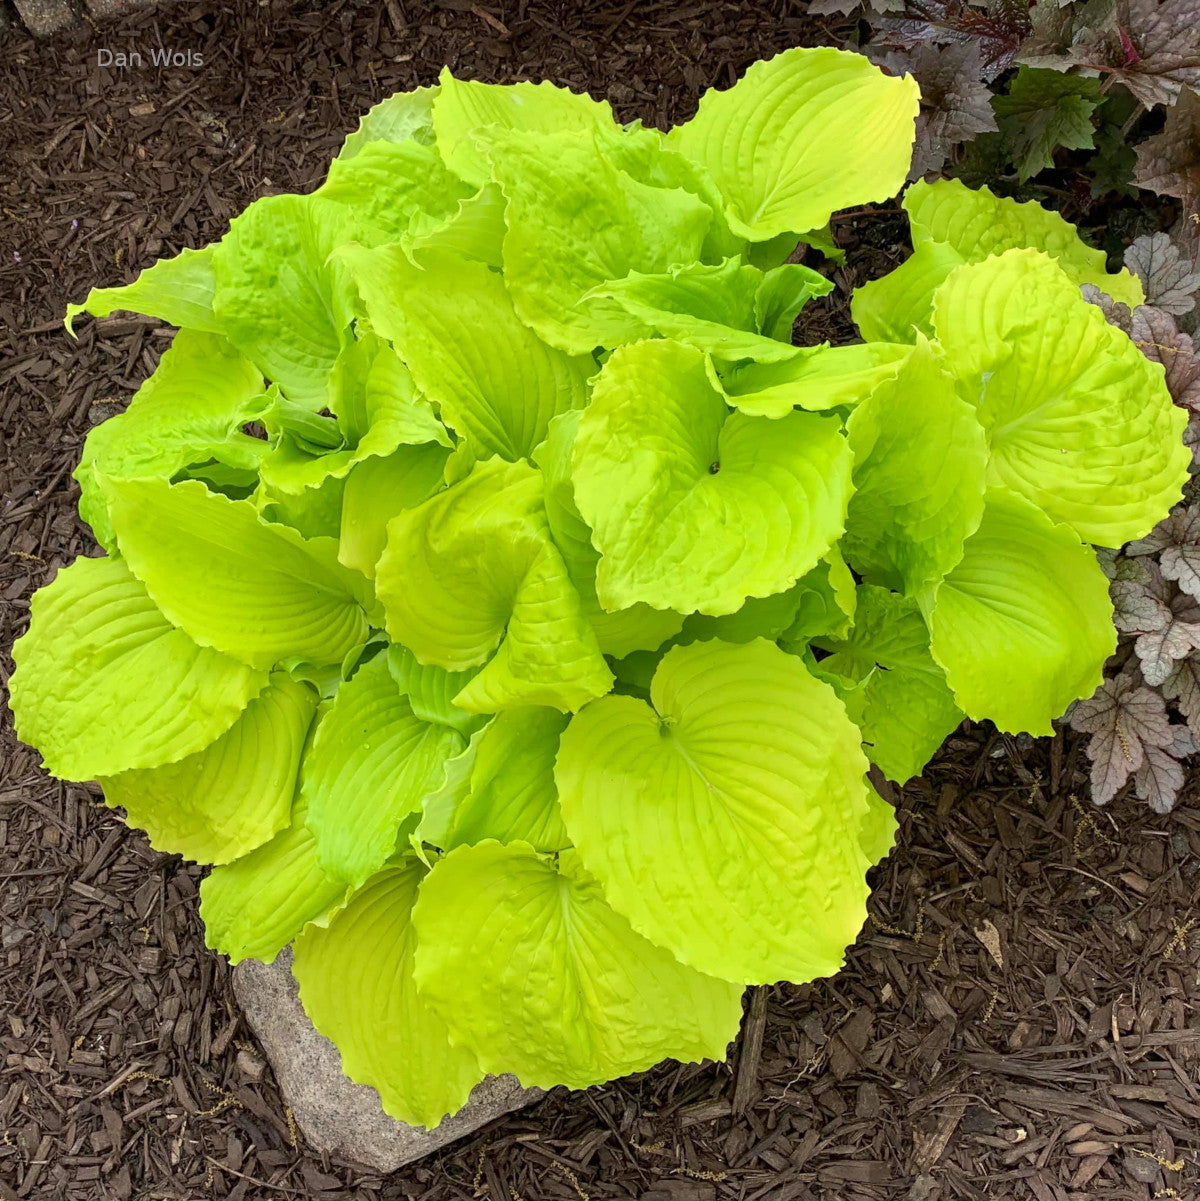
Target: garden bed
(1018, 1019)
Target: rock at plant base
(336, 1115)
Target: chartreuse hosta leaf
(104, 683)
(977, 223)
(178, 291)
(222, 802)
(800, 136)
(1023, 624)
(471, 577)
(721, 308)
(575, 222)
(827, 601)
(256, 591)
(815, 378)
(638, 627)
(1077, 418)
(253, 907)
(495, 382)
(387, 185)
(723, 819)
(920, 464)
(503, 604)
(400, 118)
(356, 983)
(464, 107)
(907, 707)
(760, 617)
(509, 942)
(431, 690)
(690, 506)
(899, 306)
(190, 411)
(377, 409)
(952, 224)
(376, 490)
(371, 761)
(280, 299)
(644, 155)
(501, 786)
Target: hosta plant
(509, 611)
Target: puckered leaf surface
(508, 943)
(723, 819)
(387, 187)
(256, 591)
(371, 761)
(692, 507)
(471, 577)
(235, 794)
(495, 382)
(190, 411)
(1077, 419)
(907, 707)
(576, 221)
(104, 683)
(356, 983)
(279, 299)
(919, 477)
(978, 224)
(800, 136)
(1023, 624)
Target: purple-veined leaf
(1123, 718)
(1176, 542)
(1159, 339)
(1182, 687)
(1160, 777)
(1169, 280)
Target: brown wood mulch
(1019, 1018)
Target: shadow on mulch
(1017, 1020)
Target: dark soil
(1019, 1019)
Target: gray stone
(44, 17)
(336, 1115)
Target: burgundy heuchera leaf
(1169, 162)
(1151, 46)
